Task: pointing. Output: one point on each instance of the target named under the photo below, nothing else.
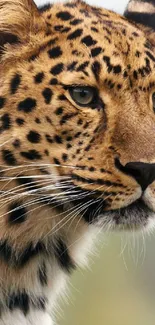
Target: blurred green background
(119, 286)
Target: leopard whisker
(66, 217)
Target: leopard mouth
(132, 216)
(96, 211)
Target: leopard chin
(136, 216)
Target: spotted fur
(68, 170)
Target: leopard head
(77, 101)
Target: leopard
(77, 149)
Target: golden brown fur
(47, 139)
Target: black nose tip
(143, 173)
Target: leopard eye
(83, 95)
(153, 100)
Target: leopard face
(77, 100)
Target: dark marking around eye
(47, 94)
(39, 77)
(17, 213)
(34, 137)
(57, 69)
(75, 34)
(55, 52)
(8, 157)
(31, 154)
(64, 15)
(27, 105)
(62, 256)
(15, 82)
(88, 40)
(2, 102)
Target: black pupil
(84, 93)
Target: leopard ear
(142, 12)
(19, 21)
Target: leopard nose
(143, 173)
